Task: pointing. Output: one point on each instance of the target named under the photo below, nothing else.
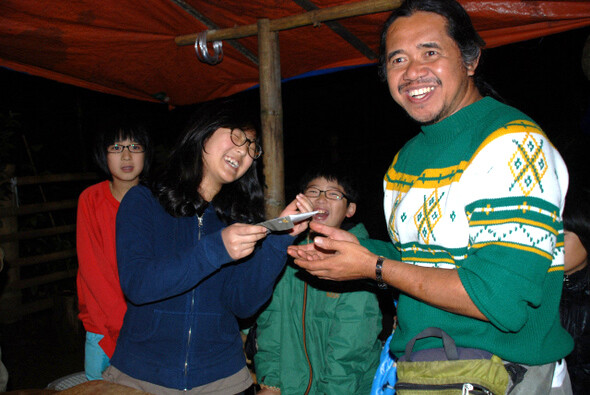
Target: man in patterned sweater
(473, 207)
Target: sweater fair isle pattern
(482, 192)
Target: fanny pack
(449, 370)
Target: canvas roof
(128, 48)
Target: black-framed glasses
(332, 194)
(238, 137)
(133, 148)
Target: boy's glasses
(238, 137)
(332, 194)
(133, 148)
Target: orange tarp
(127, 48)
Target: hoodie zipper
(190, 328)
(305, 340)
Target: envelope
(287, 222)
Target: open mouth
(420, 93)
(322, 215)
(232, 162)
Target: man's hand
(337, 257)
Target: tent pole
(271, 117)
(294, 21)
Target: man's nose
(414, 70)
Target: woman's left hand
(300, 204)
(240, 239)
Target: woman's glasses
(238, 137)
(133, 148)
(332, 194)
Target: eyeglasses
(238, 137)
(332, 194)
(133, 148)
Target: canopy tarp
(128, 48)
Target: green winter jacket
(317, 336)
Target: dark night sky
(346, 117)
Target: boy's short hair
(332, 173)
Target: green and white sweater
(482, 192)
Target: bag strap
(448, 343)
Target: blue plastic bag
(386, 375)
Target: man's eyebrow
(433, 44)
(429, 45)
(394, 53)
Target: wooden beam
(271, 117)
(36, 233)
(209, 23)
(294, 21)
(37, 208)
(340, 30)
(44, 258)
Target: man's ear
(350, 210)
(473, 65)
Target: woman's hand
(301, 204)
(240, 239)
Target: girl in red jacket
(122, 152)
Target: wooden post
(271, 116)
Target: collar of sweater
(451, 127)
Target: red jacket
(101, 301)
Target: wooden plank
(37, 208)
(207, 22)
(299, 20)
(12, 314)
(45, 279)
(340, 30)
(50, 178)
(33, 234)
(44, 258)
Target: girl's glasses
(332, 194)
(238, 137)
(133, 148)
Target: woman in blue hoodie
(191, 260)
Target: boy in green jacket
(317, 336)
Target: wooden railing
(20, 292)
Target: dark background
(346, 118)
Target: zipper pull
(467, 388)
(200, 220)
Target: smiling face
(334, 211)
(223, 161)
(125, 167)
(425, 71)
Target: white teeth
(233, 163)
(420, 92)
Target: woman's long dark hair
(177, 186)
